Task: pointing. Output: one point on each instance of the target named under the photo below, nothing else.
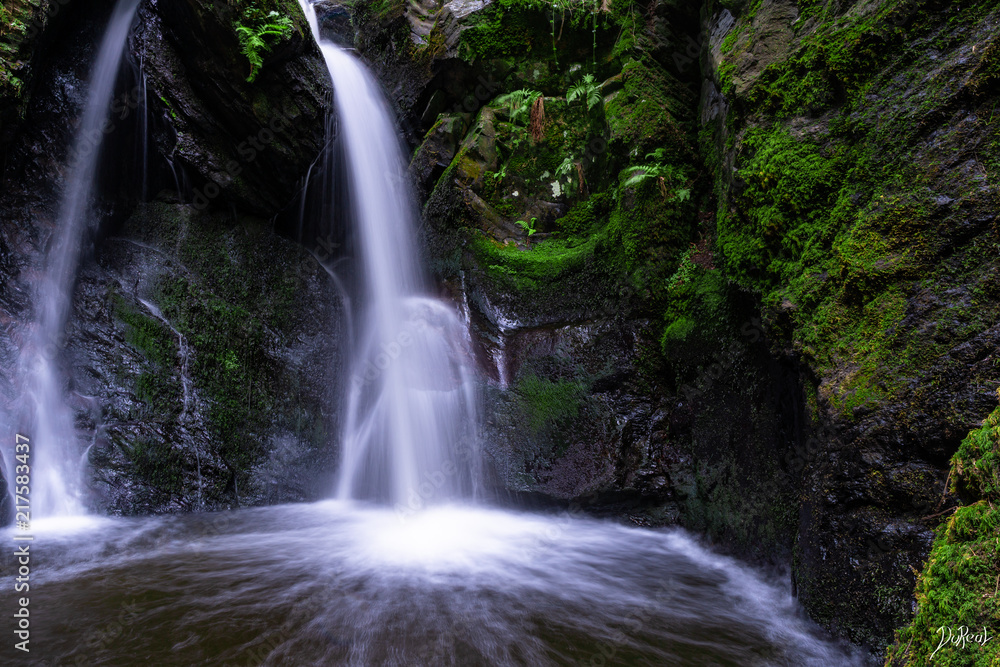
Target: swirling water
(344, 583)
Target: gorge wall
(204, 347)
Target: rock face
(781, 332)
(857, 200)
(28, 32)
(203, 351)
(248, 143)
(212, 351)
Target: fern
(566, 167)
(519, 103)
(261, 33)
(586, 89)
(665, 175)
(528, 227)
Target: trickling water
(184, 354)
(46, 418)
(409, 425)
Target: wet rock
(246, 143)
(205, 353)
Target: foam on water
(357, 584)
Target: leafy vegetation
(549, 403)
(666, 176)
(528, 226)
(519, 103)
(587, 90)
(259, 30)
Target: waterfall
(45, 417)
(408, 435)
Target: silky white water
(408, 435)
(41, 413)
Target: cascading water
(44, 414)
(409, 427)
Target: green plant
(258, 35)
(685, 269)
(566, 167)
(528, 226)
(519, 103)
(498, 176)
(585, 89)
(666, 175)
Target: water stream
(339, 583)
(43, 412)
(409, 434)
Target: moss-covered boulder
(958, 602)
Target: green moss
(516, 29)
(212, 295)
(548, 404)
(15, 42)
(957, 587)
(157, 465)
(535, 270)
(976, 464)
(833, 232)
(785, 206)
(649, 232)
(146, 333)
(696, 315)
(587, 216)
(645, 114)
(229, 368)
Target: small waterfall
(409, 432)
(46, 417)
